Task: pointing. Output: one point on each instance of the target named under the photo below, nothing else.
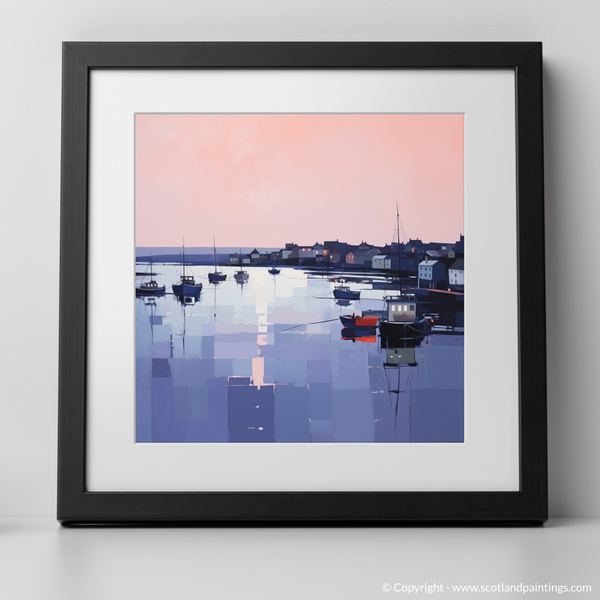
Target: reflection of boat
(345, 293)
(216, 276)
(360, 334)
(150, 302)
(358, 321)
(397, 357)
(187, 299)
(343, 302)
(187, 285)
(150, 288)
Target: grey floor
(41, 560)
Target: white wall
(31, 35)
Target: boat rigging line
(304, 324)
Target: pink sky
(264, 180)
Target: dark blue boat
(150, 288)
(343, 292)
(186, 285)
(274, 270)
(216, 276)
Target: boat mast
(398, 247)
(215, 252)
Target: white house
(456, 274)
(431, 272)
(382, 261)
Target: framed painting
(302, 282)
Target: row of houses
(437, 265)
(435, 274)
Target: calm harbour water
(266, 362)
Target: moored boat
(216, 275)
(344, 292)
(274, 270)
(241, 276)
(186, 286)
(358, 321)
(150, 288)
(402, 320)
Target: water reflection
(267, 362)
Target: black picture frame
(76, 505)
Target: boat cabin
(188, 279)
(402, 309)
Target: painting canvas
(299, 278)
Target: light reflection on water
(266, 362)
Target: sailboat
(274, 270)
(241, 276)
(187, 285)
(150, 288)
(403, 320)
(343, 292)
(216, 276)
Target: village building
(431, 273)
(336, 250)
(456, 275)
(382, 261)
(305, 252)
(364, 255)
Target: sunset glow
(264, 180)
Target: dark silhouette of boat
(150, 288)
(187, 285)
(274, 270)
(402, 320)
(216, 275)
(343, 292)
